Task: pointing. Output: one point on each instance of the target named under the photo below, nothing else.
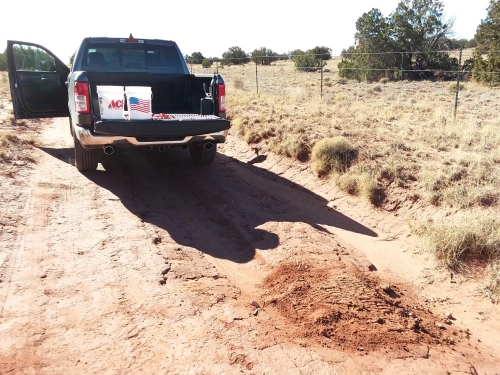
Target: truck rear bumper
(179, 130)
(90, 140)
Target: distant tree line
(309, 60)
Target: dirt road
(152, 265)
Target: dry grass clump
(291, 145)
(361, 184)
(6, 141)
(9, 140)
(470, 182)
(334, 154)
(460, 239)
(492, 284)
(4, 84)
(238, 83)
(453, 87)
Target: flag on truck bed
(141, 105)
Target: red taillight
(82, 99)
(222, 97)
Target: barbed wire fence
(272, 76)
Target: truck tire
(85, 160)
(203, 153)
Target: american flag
(141, 105)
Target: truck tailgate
(178, 125)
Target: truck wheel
(85, 160)
(203, 153)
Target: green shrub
(206, 63)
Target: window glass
(130, 57)
(33, 58)
(134, 58)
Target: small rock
(385, 287)
(43, 276)
(372, 268)
(361, 349)
(256, 311)
(380, 321)
(448, 315)
(255, 304)
(448, 321)
(440, 326)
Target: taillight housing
(222, 97)
(82, 98)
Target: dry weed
(459, 239)
(361, 184)
(492, 285)
(332, 155)
(453, 87)
(238, 83)
(295, 146)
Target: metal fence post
(256, 78)
(321, 77)
(459, 76)
(401, 75)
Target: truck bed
(172, 93)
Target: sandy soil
(251, 265)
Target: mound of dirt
(353, 311)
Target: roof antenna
(131, 37)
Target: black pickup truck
(186, 110)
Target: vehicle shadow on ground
(217, 209)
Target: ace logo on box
(116, 104)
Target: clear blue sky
(210, 27)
